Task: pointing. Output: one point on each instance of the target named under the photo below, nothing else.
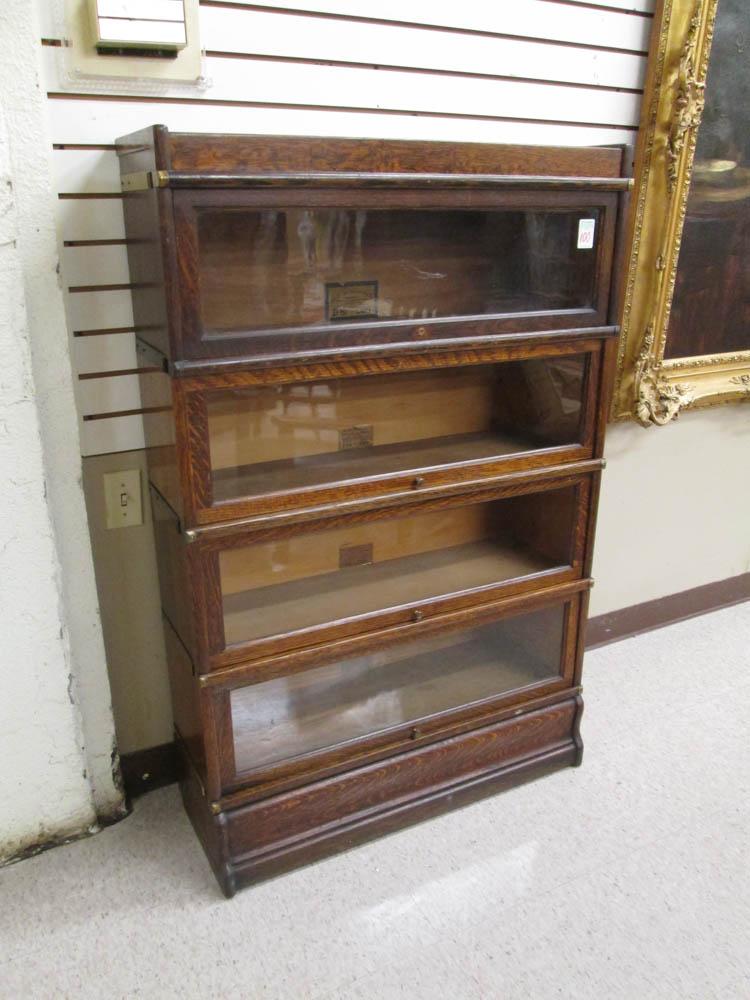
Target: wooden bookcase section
(374, 377)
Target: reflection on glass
(711, 306)
(293, 437)
(304, 266)
(283, 718)
(325, 576)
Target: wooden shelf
(356, 590)
(283, 718)
(360, 463)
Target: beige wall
(675, 507)
(125, 563)
(674, 514)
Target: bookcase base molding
(263, 839)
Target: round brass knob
(417, 615)
(417, 482)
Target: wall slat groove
(335, 109)
(128, 413)
(103, 332)
(644, 9)
(521, 19)
(95, 243)
(122, 371)
(256, 57)
(77, 289)
(231, 30)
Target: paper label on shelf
(355, 437)
(352, 300)
(586, 229)
(355, 555)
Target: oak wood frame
(279, 341)
(253, 830)
(189, 402)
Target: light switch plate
(122, 498)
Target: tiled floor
(626, 878)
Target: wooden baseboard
(668, 610)
(145, 770)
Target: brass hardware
(417, 482)
(417, 615)
(142, 180)
(421, 332)
(191, 535)
(415, 733)
(631, 183)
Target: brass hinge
(142, 180)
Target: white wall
(56, 728)
(526, 71)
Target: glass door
(396, 695)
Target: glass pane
(304, 267)
(711, 306)
(326, 576)
(329, 705)
(306, 435)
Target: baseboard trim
(145, 770)
(627, 622)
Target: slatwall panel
(528, 71)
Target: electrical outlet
(122, 498)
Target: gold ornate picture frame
(649, 387)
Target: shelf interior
(357, 590)
(328, 469)
(289, 437)
(288, 267)
(302, 580)
(327, 706)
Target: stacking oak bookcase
(373, 379)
